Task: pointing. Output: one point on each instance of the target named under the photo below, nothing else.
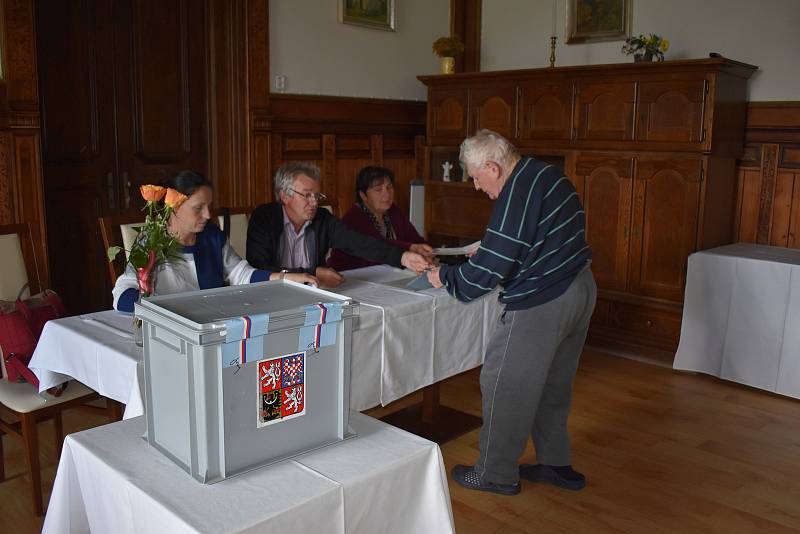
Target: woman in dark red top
(375, 213)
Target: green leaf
(112, 252)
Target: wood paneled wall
(340, 135)
(768, 176)
(21, 195)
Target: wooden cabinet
(604, 110)
(651, 150)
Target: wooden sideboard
(651, 149)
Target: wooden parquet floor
(663, 451)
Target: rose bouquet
(154, 244)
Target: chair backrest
(15, 272)
(239, 218)
(118, 231)
(332, 205)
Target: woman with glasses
(375, 213)
(293, 235)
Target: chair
(332, 205)
(239, 218)
(22, 400)
(119, 231)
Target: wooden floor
(662, 451)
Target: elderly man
(293, 235)
(535, 249)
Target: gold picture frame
(377, 14)
(598, 20)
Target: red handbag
(21, 324)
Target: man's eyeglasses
(319, 197)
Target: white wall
(766, 33)
(320, 55)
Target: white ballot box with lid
(240, 377)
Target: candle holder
(553, 51)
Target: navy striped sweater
(534, 246)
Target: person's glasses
(319, 197)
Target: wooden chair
(239, 218)
(20, 399)
(118, 231)
(332, 205)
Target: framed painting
(378, 14)
(598, 20)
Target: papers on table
(457, 251)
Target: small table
(383, 480)
(741, 316)
(404, 341)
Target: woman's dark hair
(369, 176)
(187, 182)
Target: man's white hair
(487, 145)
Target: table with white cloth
(383, 480)
(404, 341)
(741, 316)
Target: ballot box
(239, 377)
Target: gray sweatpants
(526, 381)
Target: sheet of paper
(456, 251)
(419, 283)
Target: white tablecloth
(405, 341)
(741, 316)
(384, 480)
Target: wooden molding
(767, 210)
(20, 54)
(769, 168)
(465, 21)
(346, 115)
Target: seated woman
(209, 260)
(375, 213)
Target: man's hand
(426, 251)
(329, 277)
(414, 262)
(433, 278)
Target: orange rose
(174, 199)
(152, 193)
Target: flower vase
(147, 280)
(448, 65)
(646, 57)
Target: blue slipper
(465, 475)
(563, 476)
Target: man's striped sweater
(534, 246)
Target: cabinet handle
(649, 323)
(127, 180)
(110, 188)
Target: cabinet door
(671, 111)
(545, 111)
(664, 232)
(494, 108)
(447, 113)
(604, 111)
(604, 183)
(456, 209)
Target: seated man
(375, 213)
(293, 235)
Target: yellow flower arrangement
(646, 46)
(448, 46)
